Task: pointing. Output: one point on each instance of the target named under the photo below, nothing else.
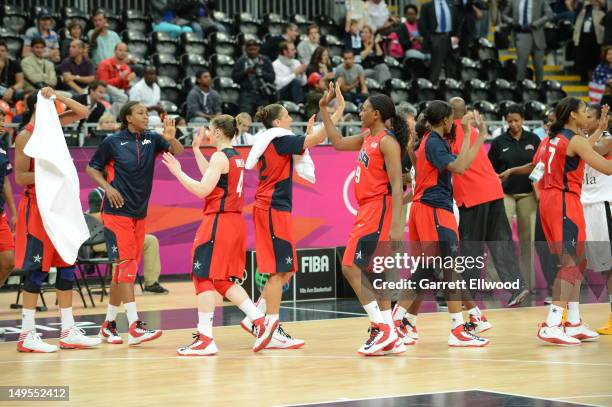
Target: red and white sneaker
(480, 323)
(381, 335)
(395, 348)
(580, 331)
(108, 332)
(556, 335)
(264, 330)
(74, 338)
(402, 332)
(248, 327)
(462, 336)
(282, 340)
(31, 341)
(139, 334)
(202, 345)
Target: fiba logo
(262, 279)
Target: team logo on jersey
(363, 158)
(240, 163)
(374, 145)
(529, 147)
(146, 142)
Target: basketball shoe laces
(468, 327)
(374, 331)
(112, 327)
(141, 326)
(282, 332)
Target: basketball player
(7, 243)
(563, 217)
(219, 247)
(597, 200)
(34, 251)
(378, 188)
(274, 242)
(128, 157)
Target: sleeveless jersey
(371, 178)
(227, 194)
(596, 186)
(561, 171)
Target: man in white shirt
(147, 92)
(307, 47)
(377, 15)
(290, 76)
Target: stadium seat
(246, 23)
(136, 20)
(528, 91)
(222, 65)
(535, 110)
(222, 44)
(552, 92)
(302, 22)
(222, 18)
(470, 69)
(374, 87)
(351, 111)
(334, 46)
(509, 70)
(242, 38)
(70, 14)
(294, 110)
(14, 43)
(230, 108)
(227, 88)
(192, 44)
(476, 90)
(167, 65)
(273, 24)
(502, 89)
(423, 105)
(163, 43)
(170, 90)
(188, 83)
(351, 130)
(395, 67)
(14, 19)
(486, 50)
(491, 69)
(192, 63)
(503, 106)
(137, 43)
(169, 107)
(422, 89)
(398, 90)
(488, 110)
(414, 68)
(336, 60)
(327, 25)
(450, 88)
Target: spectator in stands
(469, 12)
(515, 148)
(75, 32)
(373, 57)
(77, 70)
(352, 33)
(317, 84)
(307, 47)
(147, 92)
(255, 75)
(107, 122)
(94, 100)
(117, 75)
(289, 74)
(11, 77)
(244, 138)
(439, 26)
(102, 40)
(270, 47)
(603, 75)
(320, 63)
(351, 77)
(410, 38)
(203, 103)
(527, 18)
(378, 17)
(43, 30)
(588, 38)
(38, 71)
(150, 251)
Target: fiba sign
(316, 278)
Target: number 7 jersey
(227, 194)
(561, 171)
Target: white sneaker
(381, 335)
(463, 337)
(139, 334)
(108, 332)
(403, 332)
(264, 329)
(395, 349)
(556, 335)
(31, 341)
(581, 332)
(74, 338)
(282, 340)
(202, 345)
(480, 323)
(247, 325)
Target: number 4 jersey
(561, 171)
(227, 195)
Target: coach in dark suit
(527, 18)
(439, 25)
(469, 12)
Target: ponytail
(563, 114)
(400, 131)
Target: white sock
(272, 318)
(130, 312)
(374, 312)
(555, 314)
(205, 323)
(411, 318)
(250, 310)
(261, 304)
(573, 313)
(27, 320)
(111, 312)
(387, 317)
(456, 319)
(475, 311)
(399, 312)
(67, 318)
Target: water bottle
(537, 173)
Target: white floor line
(326, 311)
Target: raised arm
(219, 164)
(351, 143)
(581, 146)
(468, 152)
(197, 153)
(75, 111)
(603, 125)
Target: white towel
(302, 164)
(57, 183)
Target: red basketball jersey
(371, 178)
(561, 171)
(227, 195)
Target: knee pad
(34, 280)
(203, 285)
(126, 272)
(222, 286)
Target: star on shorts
(197, 265)
(289, 260)
(358, 255)
(37, 258)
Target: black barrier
(316, 276)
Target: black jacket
(428, 23)
(240, 76)
(506, 152)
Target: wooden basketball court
(327, 369)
